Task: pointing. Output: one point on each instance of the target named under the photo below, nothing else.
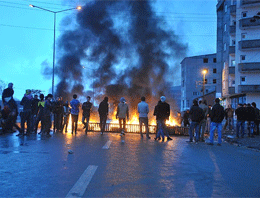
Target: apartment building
(238, 50)
(192, 78)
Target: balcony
(231, 70)
(249, 22)
(249, 67)
(231, 90)
(232, 29)
(248, 88)
(233, 9)
(248, 2)
(231, 49)
(249, 44)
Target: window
(214, 81)
(226, 8)
(206, 81)
(243, 36)
(183, 104)
(183, 83)
(187, 103)
(234, 22)
(244, 14)
(195, 93)
(214, 71)
(225, 46)
(242, 80)
(233, 63)
(207, 91)
(214, 60)
(233, 42)
(243, 57)
(225, 27)
(233, 82)
(205, 60)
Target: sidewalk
(252, 143)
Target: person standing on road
(74, 113)
(241, 114)
(251, 116)
(26, 114)
(86, 107)
(204, 107)
(196, 116)
(35, 110)
(217, 116)
(186, 117)
(208, 120)
(122, 114)
(143, 110)
(66, 116)
(103, 113)
(257, 119)
(229, 113)
(162, 113)
(47, 111)
(40, 114)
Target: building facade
(195, 84)
(238, 50)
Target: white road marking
(107, 145)
(81, 185)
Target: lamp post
(204, 72)
(54, 12)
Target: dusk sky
(26, 35)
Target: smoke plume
(119, 48)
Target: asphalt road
(104, 166)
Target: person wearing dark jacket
(186, 118)
(40, 113)
(47, 111)
(26, 114)
(196, 116)
(103, 113)
(162, 113)
(86, 107)
(241, 114)
(251, 116)
(217, 116)
(257, 119)
(35, 110)
(9, 116)
(7, 93)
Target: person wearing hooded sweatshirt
(162, 113)
(122, 114)
(26, 114)
(103, 113)
(196, 116)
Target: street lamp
(54, 12)
(204, 72)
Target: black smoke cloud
(125, 45)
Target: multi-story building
(238, 50)
(192, 78)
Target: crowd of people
(203, 118)
(35, 111)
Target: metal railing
(135, 128)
